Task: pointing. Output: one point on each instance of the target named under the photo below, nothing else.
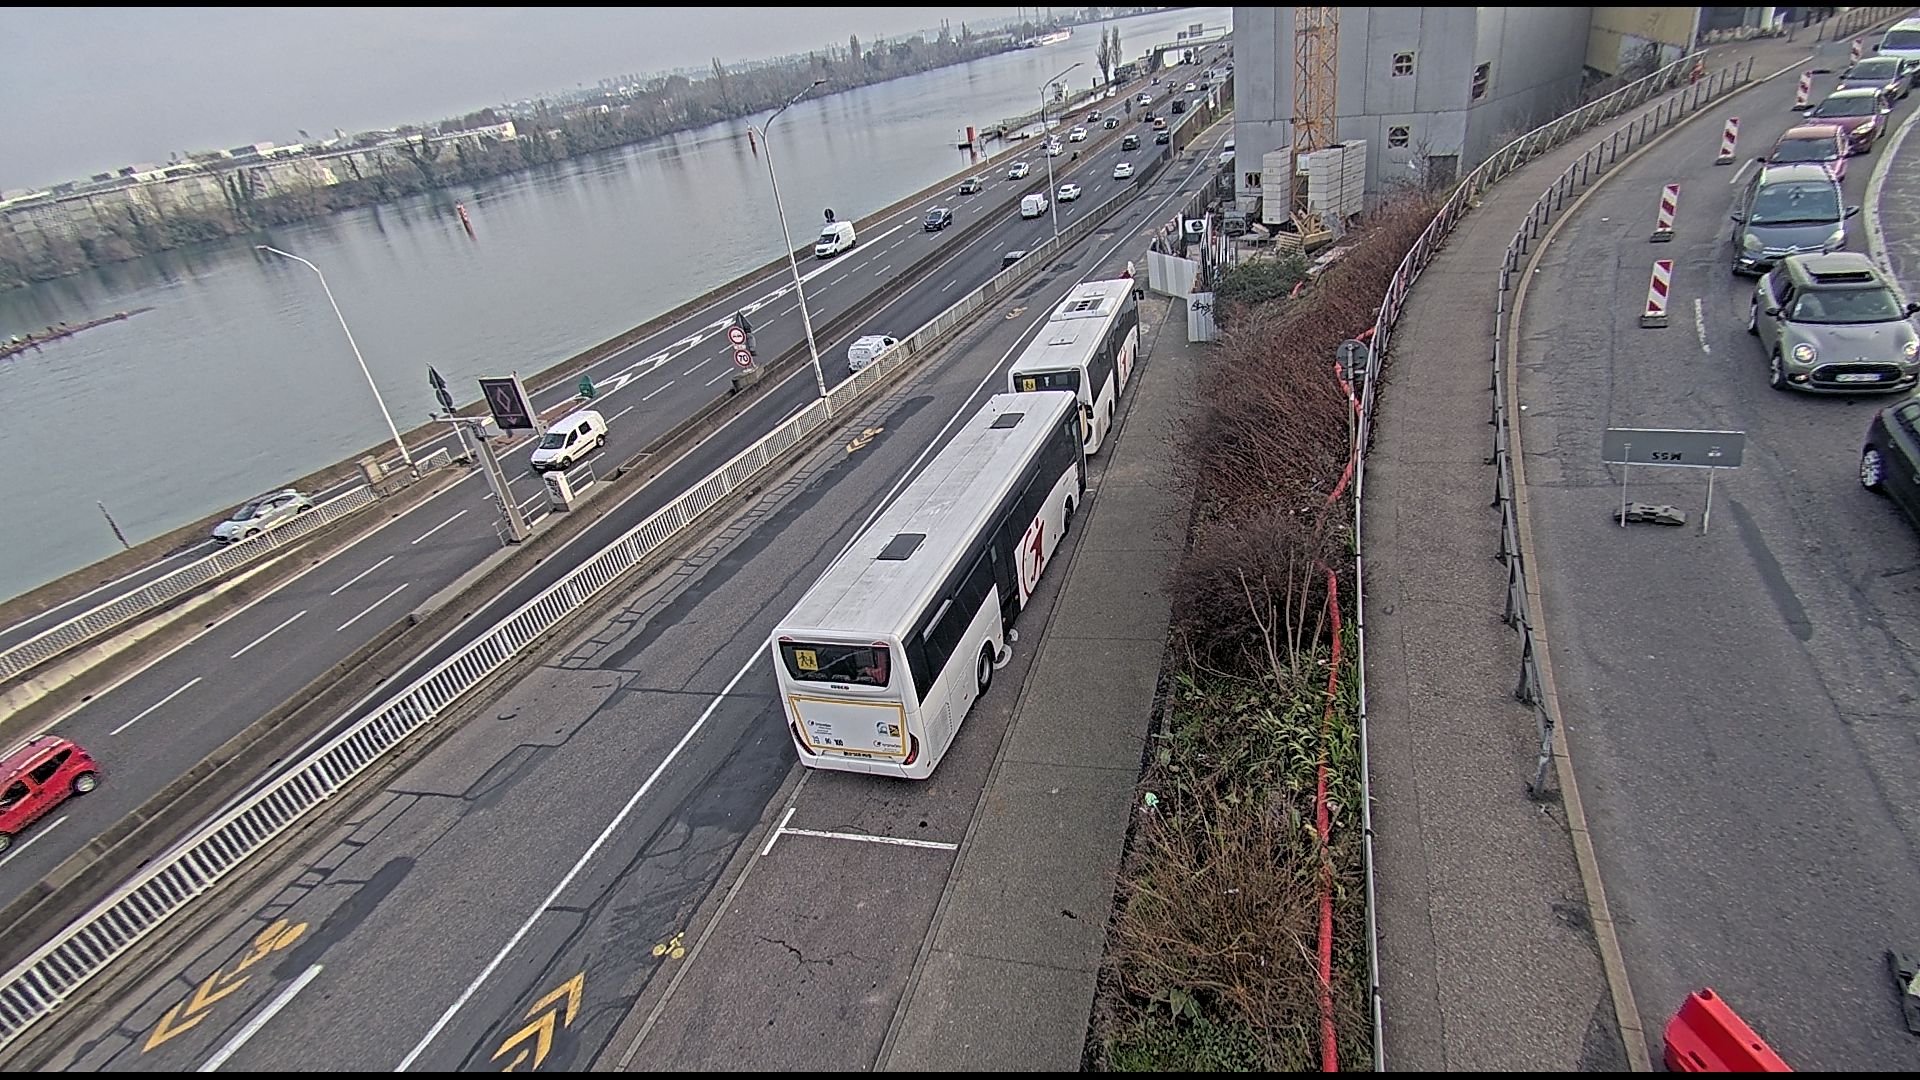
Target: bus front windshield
(865, 665)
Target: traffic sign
(743, 358)
(587, 389)
(1683, 449)
(508, 401)
(439, 388)
(737, 336)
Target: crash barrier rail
(1832, 27)
(1465, 196)
(163, 590)
(35, 987)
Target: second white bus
(881, 659)
(1087, 346)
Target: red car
(1860, 112)
(1821, 144)
(38, 776)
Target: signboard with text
(1682, 449)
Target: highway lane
(1739, 705)
(167, 716)
(598, 804)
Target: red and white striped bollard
(1853, 51)
(1728, 139)
(1669, 205)
(1802, 95)
(1657, 291)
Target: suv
(1787, 210)
(269, 511)
(1018, 170)
(1890, 460)
(1833, 323)
(1858, 111)
(37, 776)
(1902, 40)
(1130, 141)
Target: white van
(574, 437)
(1902, 40)
(834, 239)
(1033, 205)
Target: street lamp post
(404, 455)
(1053, 194)
(806, 320)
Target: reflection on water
(241, 380)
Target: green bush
(1251, 283)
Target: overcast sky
(85, 90)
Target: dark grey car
(1787, 210)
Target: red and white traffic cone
(1853, 51)
(1728, 139)
(1657, 291)
(1669, 205)
(1805, 92)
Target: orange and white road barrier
(1728, 139)
(1803, 95)
(1657, 292)
(1669, 206)
(1853, 51)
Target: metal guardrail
(38, 984)
(1466, 195)
(163, 590)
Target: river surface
(241, 380)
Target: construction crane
(1316, 65)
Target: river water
(240, 379)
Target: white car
(1069, 192)
(1144, 99)
(868, 349)
(1123, 170)
(266, 512)
(1054, 149)
(1078, 134)
(1191, 87)
(1019, 171)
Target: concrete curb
(1626, 1013)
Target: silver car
(269, 511)
(1832, 324)
(1785, 210)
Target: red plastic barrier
(1706, 1036)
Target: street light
(1053, 195)
(819, 377)
(404, 455)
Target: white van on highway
(1032, 206)
(576, 435)
(834, 239)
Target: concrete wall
(1536, 55)
(1620, 34)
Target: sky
(87, 90)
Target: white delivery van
(834, 239)
(1033, 205)
(576, 435)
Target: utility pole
(516, 522)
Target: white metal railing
(176, 583)
(39, 983)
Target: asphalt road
(1739, 705)
(153, 726)
(550, 864)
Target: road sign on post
(508, 401)
(743, 358)
(587, 389)
(440, 388)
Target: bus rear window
(1048, 380)
(866, 665)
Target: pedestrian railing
(161, 591)
(1673, 93)
(38, 984)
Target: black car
(1890, 461)
(937, 218)
(1163, 138)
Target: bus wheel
(1066, 519)
(984, 676)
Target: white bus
(1086, 346)
(879, 662)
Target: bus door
(1006, 575)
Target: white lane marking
(872, 839)
(254, 1025)
(43, 831)
(621, 413)
(155, 705)
(361, 574)
(694, 368)
(1700, 325)
(370, 607)
(268, 634)
(723, 374)
(657, 389)
(579, 865)
(882, 272)
(1740, 172)
(437, 528)
(948, 285)
(778, 829)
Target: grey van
(1787, 210)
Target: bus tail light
(913, 749)
(797, 740)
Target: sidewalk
(1487, 958)
(1008, 983)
